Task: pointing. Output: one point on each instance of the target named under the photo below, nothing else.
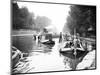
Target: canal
(41, 58)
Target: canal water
(41, 58)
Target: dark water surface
(23, 43)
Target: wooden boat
(72, 53)
(16, 56)
(50, 43)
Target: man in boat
(39, 40)
(77, 44)
(34, 37)
(60, 37)
(84, 44)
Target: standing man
(60, 37)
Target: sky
(56, 12)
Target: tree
(41, 22)
(81, 18)
(22, 18)
(26, 18)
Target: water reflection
(28, 44)
(23, 43)
(42, 57)
(35, 50)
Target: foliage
(42, 21)
(23, 19)
(81, 18)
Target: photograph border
(48, 3)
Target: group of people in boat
(74, 41)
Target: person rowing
(77, 45)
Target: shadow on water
(27, 44)
(23, 43)
(73, 60)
